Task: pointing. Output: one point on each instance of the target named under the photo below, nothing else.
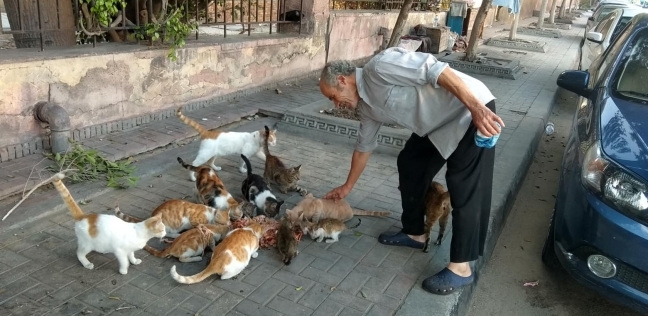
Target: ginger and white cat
(211, 190)
(191, 245)
(180, 215)
(218, 144)
(108, 234)
(230, 257)
(326, 228)
(313, 209)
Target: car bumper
(585, 226)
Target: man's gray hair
(336, 68)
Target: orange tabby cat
(437, 207)
(179, 215)
(108, 234)
(230, 257)
(211, 190)
(314, 209)
(191, 245)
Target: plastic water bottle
(436, 20)
(549, 129)
(486, 142)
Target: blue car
(599, 228)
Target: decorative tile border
(534, 46)
(544, 32)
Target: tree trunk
(400, 23)
(541, 15)
(552, 13)
(471, 52)
(570, 6)
(23, 15)
(561, 14)
(514, 26)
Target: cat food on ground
(270, 226)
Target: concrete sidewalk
(39, 271)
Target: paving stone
(249, 308)
(268, 290)
(349, 300)
(288, 307)
(315, 295)
(222, 304)
(327, 308)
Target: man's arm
(358, 162)
(404, 68)
(483, 118)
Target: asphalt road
(516, 258)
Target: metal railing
(246, 13)
(417, 5)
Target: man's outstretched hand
(484, 119)
(338, 193)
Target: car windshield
(605, 11)
(633, 74)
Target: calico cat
(230, 257)
(256, 190)
(314, 209)
(180, 215)
(286, 241)
(276, 172)
(218, 143)
(191, 245)
(211, 190)
(437, 207)
(325, 228)
(108, 234)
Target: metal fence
(417, 5)
(220, 13)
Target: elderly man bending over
(444, 109)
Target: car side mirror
(575, 81)
(595, 37)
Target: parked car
(598, 231)
(600, 13)
(606, 31)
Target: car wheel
(549, 257)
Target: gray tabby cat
(277, 173)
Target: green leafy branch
(174, 29)
(104, 10)
(91, 166)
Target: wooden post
(400, 23)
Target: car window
(604, 26)
(601, 64)
(617, 30)
(603, 13)
(632, 74)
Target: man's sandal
(446, 282)
(399, 239)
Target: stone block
(543, 32)
(504, 42)
(501, 68)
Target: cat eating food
(180, 215)
(286, 241)
(256, 190)
(191, 244)
(314, 209)
(108, 234)
(230, 257)
(215, 144)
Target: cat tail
(359, 221)
(126, 217)
(74, 208)
(248, 165)
(266, 150)
(155, 252)
(370, 213)
(201, 130)
(191, 279)
(186, 165)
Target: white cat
(217, 143)
(107, 233)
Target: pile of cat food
(270, 226)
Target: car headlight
(618, 188)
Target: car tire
(549, 257)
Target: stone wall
(116, 82)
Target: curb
(518, 153)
